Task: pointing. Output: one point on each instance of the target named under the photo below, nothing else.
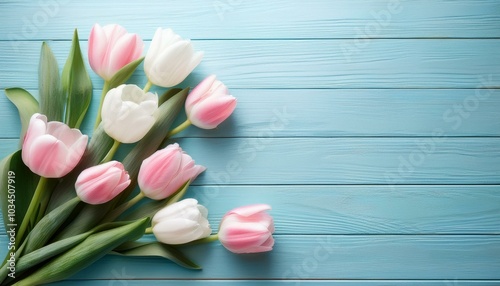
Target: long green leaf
(77, 85)
(85, 253)
(48, 225)
(18, 186)
(158, 249)
(52, 98)
(124, 73)
(26, 105)
(38, 256)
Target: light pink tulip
(164, 172)
(111, 48)
(100, 184)
(247, 229)
(209, 103)
(52, 149)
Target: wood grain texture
(282, 19)
(336, 113)
(439, 257)
(381, 63)
(371, 127)
(346, 210)
(387, 161)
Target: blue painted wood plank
(387, 161)
(225, 19)
(383, 63)
(362, 209)
(335, 113)
(129, 282)
(442, 257)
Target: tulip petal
(199, 92)
(250, 209)
(47, 157)
(209, 114)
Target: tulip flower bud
(181, 222)
(127, 113)
(170, 59)
(100, 184)
(111, 48)
(209, 103)
(52, 149)
(165, 171)
(247, 229)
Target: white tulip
(181, 222)
(170, 59)
(127, 113)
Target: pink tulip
(52, 149)
(209, 104)
(247, 229)
(100, 184)
(164, 172)
(111, 48)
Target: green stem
(208, 239)
(179, 128)
(111, 152)
(105, 90)
(148, 230)
(148, 86)
(29, 217)
(125, 206)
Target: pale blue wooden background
(371, 127)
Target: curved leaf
(20, 184)
(77, 85)
(26, 105)
(85, 253)
(52, 98)
(124, 73)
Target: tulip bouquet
(67, 200)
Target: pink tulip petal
(47, 157)
(97, 48)
(199, 92)
(250, 210)
(208, 114)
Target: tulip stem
(208, 239)
(30, 216)
(105, 90)
(111, 152)
(125, 206)
(148, 230)
(148, 86)
(179, 128)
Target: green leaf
(157, 249)
(85, 253)
(20, 184)
(168, 94)
(26, 105)
(49, 224)
(38, 256)
(52, 98)
(124, 73)
(77, 85)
